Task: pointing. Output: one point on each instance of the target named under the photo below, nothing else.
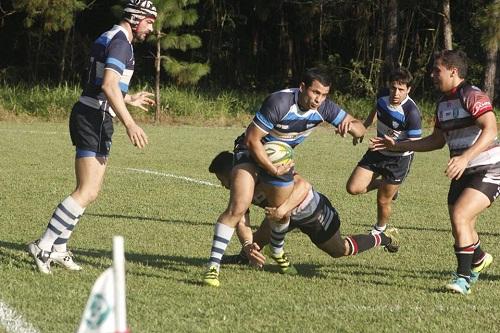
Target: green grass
(168, 225)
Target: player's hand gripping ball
(279, 152)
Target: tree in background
(489, 22)
(447, 30)
(172, 16)
(49, 16)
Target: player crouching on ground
(310, 211)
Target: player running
(398, 117)
(290, 116)
(466, 121)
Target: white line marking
(192, 180)
(31, 131)
(14, 322)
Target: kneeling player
(310, 211)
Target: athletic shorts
(486, 182)
(91, 129)
(242, 155)
(321, 225)
(393, 169)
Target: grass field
(168, 223)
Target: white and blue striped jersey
(282, 119)
(401, 122)
(112, 51)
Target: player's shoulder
(282, 99)
(467, 90)
(115, 36)
(410, 105)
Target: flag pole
(119, 274)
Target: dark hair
(453, 58)
(316, 73)
(401, 75)
(222, 162)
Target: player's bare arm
(432, 142)
(253, 137)
(111, 88)
(300, 189)
(352, 126)
(251, 248)
(487, 124)
(367, 123)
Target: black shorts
(321, 225)
(90, 129)
(242, 155)
(393, 169)
(486, 182)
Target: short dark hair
(316, 73)
(453, 58)
(222, 162)
(401, 75)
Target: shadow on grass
(15, 254)
(404, 227)
(142, 218)
(18, 252)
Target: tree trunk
(490, 72)
(64, 48)
(320, 35)
(391, 42)
(447, 31)
(157, 80)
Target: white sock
(278, 232)
(61, 225)
(222, 236)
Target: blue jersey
(111, 51)
(282, 119)
(401, 122)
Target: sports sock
(222, 236)
(378, 228)
(478, 256)
(61, 225)
(278, 232)
(360, 243)
(464, 259)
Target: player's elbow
(107, 88)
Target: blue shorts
(242, 155)
(393, 169)
(91, 130)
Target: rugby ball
(279, 152)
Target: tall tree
(391, 38)
(447, 31)
(172, 15)
(489, 22)
(50, 16)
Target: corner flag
(105, 311)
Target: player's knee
(384, 201)
(353, 189)
(87, 196)
(236, 211)
(458, 218)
